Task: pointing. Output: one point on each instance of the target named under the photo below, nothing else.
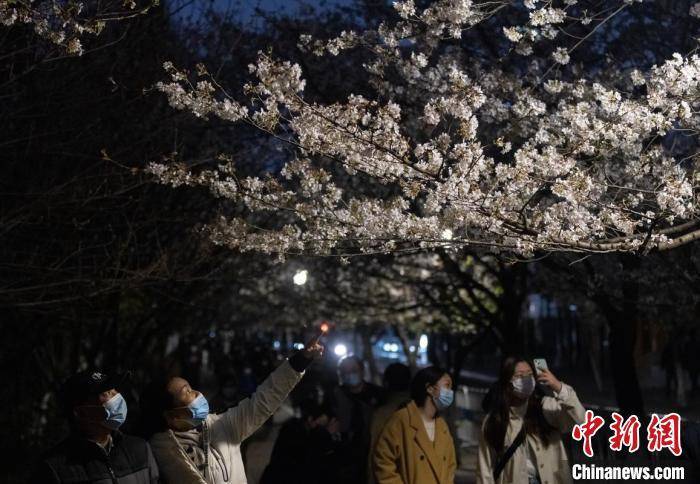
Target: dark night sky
(244, 9)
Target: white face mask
(523, 386)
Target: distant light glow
(390, 347)
(423, 342)
(301, 277)
(324, 327)
(412, 349)
(276, 344)
(298, 346)
(340, 350)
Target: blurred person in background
(228, 394)
(354, 401)
(302, 444)
(415, 446)
(397, 381)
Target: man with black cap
(96, 452)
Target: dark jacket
(80, 461)
(302, 456)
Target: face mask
(352, 379)
(444, 399)
(523, 386)
(200, 409)
(191, 416)
(116, 412)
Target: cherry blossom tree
(524, 150)
(64, 23)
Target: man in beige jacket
(201, 448)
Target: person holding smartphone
(521, 435)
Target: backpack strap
(506, 456)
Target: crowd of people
(358, 433)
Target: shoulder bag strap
(503, 460)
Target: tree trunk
(406, 345)
(513, 279)
(368, 354)
(623, 337)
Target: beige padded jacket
(225, 431)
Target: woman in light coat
(196, 447)
(546, 413)
(415, 446)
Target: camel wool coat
(404, 454)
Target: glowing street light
(301, 277)
(423, 341)
(340, 350)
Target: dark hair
(499, 409)
(355, 358)
(397, 377)
(426, 377)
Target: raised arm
(563, 410)
(246, 417)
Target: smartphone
(540, 364)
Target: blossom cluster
(445, 154)
(64, 23)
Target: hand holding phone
(540, 364)
(546, 377)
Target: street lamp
(340, 350)
(300, 277)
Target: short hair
(426, 377)
(397, 377)
(350, 358)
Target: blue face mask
(352, 379)
(200, 410)
(444, 399)
(116, 412)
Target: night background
(103, 266)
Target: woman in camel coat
(415, 446)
